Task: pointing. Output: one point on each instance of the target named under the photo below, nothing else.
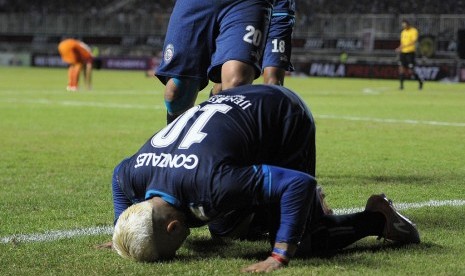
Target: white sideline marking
(375, 91)
(58, 234)
(407, 206)
(136, 106)
(81, 103)
(100, 92)
(391, 121)
(108, 230)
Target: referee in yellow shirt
(407, 47)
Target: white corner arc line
(108, 230)
(137, 106)
(389, 121)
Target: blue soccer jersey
(278, 46)
(209, 161)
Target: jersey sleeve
(120, 201)
(293, 191)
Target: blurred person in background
(407, 49)
(79, 57)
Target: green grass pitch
(58, 149)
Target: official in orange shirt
(79, 57)
(407, 48)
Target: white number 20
(253, 35)
(171, 133)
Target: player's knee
(239, 79)
(216, 89)
(236, 73)
(272, 80)
(180, 94)
(273, 75)
(235, 82)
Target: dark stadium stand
(383, 6)
(367, 30)
(307, 7)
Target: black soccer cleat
(398, 228)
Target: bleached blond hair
(133, 237)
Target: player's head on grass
(150, 231)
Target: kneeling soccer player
(247, 148)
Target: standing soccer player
(277, 56)
(221, 41)
(407, 48)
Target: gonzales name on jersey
(208, 161)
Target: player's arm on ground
(293, 191)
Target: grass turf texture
(58, 150)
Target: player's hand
(107, 245)
(267, 265)
(397, 50)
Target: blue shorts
(278, 45)
(202, 35)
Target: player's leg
(335, 232)
(403, 64)
(186, 54)
(328, 233)
(87, 69)
(70, 77)
(273, 75)
(180, 95)
(401, 77)
(215, 89)
(73, 76)
(77, 73)
(239, 46)
(277, 54)
(235, 73)
(414, 72)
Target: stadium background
(129, 34)
(58, 149)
